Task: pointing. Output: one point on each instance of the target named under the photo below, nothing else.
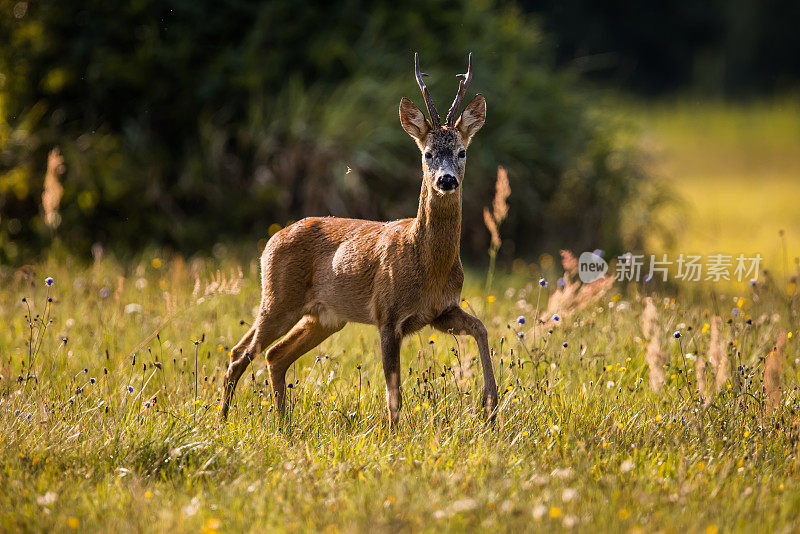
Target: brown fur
(323, 272)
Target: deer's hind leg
(265, 330)
(304, 336)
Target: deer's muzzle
(446, 183)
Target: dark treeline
(187, 122)
(737, 48)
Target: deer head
(443, 147)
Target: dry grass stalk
(569, 262)
(218, 284)
(493, 219)
(502, 190)
(717, 356)
(53, 190)
(700, 377)
(491, 225)
(573, 296)
(653, 355)
(773, 373)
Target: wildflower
(565, 345)
(753, 282)
(623, 514)
(735, 312)
(48, 281)
(24, 299)
(49, 299)
(72, 523)
(556, 318)
(490, 299)
(555, 512)
(521, 320)
(676, 335)
(130, 389)
(432, 339)
(627, 466)
(148, 494)
(542, 282)
(290, 385)
(85, 370)
(147, 404)
(92, 380)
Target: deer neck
(437, 231)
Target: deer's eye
(462, 153)
(428, 155)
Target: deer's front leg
(460, 322)
(390, 349)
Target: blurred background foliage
(184, 123)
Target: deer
(321, 273)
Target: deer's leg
(460, 322)
(390, 348)
(304, 336)
(266, 329)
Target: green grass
(580, 441)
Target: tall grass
(120, 430)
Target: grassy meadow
(607, 421)
(735, 174)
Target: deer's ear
(472, 118)
(413, 120)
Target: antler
(435, 120)
(462, 88)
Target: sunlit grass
(580, 441)
(735, 170)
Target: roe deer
(322, 272)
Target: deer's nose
(446, 183)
